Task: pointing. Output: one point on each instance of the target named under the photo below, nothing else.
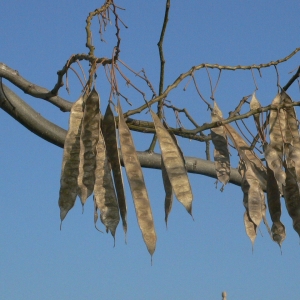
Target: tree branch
(33, 121)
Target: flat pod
(255, 104)
(108, 126)
(70, 165)
(250, 227)
(168, 190)
(88, 141)
(221, 152)
(104, 192)
(137, 184)
(174, 163)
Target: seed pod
(273, 197)
(104, 191)
(109, 132)
(70, 165)
(292, 197)
(275, 164)
(88, 141)
(174, 163)
(254, 104)
(248, 155)
(250, 227)
(168, 190)
(137, 184)
(221, 153)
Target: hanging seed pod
(137, 184)
(109, 132)
(277, 123)
(221, 153)
(250, 228)
(88, 141)
(70, 165)
(292, 197)
(254, 104)
(174, 163)
(248, 155)
(104, 192)
(168, 190)
(275, 164)
(273, 197)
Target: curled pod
(70, 165)
(174, 163)
(137, 184)
(255, 104)
(88, 141)
(104, 192)
(221, 152)
(108, 126)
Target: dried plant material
(108, 126)
(104, 192)
(137, 184)
(248, 155)
(255, 104)
(250, 227)
(88, 141)
(70, 165)
(292, 197)
(277, 123)
(221, 153)
(174, 163)
(275, 164)
(273, 198)
(168, 190)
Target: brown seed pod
(88, 141)
(174, 163)
(137, 184)
(273, 197)
(169, 191)
(108, 126)
(292, 197)
(104, 192)
(70, 165)
(254, 104)
(250, 227)
(221, 153)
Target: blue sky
(194, 259)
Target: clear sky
(194, 259)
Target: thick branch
(32, 89)
(28, 117)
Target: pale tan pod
(221, 152)
(168, 190)
(137, 184)
(248, 155)
(70, 164)
(108, 126)
(88, 141)
(277, 124)
(255, 104)
(174, 163)
(104, 191)
(250, 227)
(275, 164)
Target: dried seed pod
(70, 165)
(250, 227)
(104, 192)
(137, 184)
(254, 104)
(168, 190)
(275, 164)
(221, 152)
(277, 123)
(88, 141)
(248, 155)
(109, 132)
(273, 197)
(292, 197)
(174, 163)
